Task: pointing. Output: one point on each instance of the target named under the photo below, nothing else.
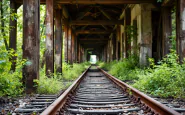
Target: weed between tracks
(165, 79)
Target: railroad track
(37, 105)
(96, 92)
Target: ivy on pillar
(31, 41)
(49, 38)
(58, 41)
(127, 36)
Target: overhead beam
(110, 2)
(97, 22)
(92, 32)
(81, 15)
(84, 39)
(105, 13)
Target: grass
(165, 79)
(62, 81)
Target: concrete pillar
(146, 34)
(31, 41)
(180, 29)
(49, 38)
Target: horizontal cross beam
(92, 32)
(110, 2)
(97, 22)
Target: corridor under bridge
(109, 29)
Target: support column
(70, 45)
(13, 34)
(114, 47)
(66, 42)
(73, 47)
(58, 41)
(49, 38)
(180, 26)
(79, 54)
(31, 41)
(76, 49)
(146, 34)
(127, 36)
(167, 29)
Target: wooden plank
(180, 29)
(49, 38)
(31, 38)
(58, 41)
(13, 34)
(97, 22)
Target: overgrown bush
(124, 69)
(164, 80)
(59, 82)
(71, 72)
(10, 82)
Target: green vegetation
(11, 83)
(167, 79)
(58, 82)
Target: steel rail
(58, 103)
(140, 97)
(156, 106)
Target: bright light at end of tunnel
(93, 59)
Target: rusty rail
(139, 97)
(57, 104)
(151, 103)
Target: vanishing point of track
(96, 92)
